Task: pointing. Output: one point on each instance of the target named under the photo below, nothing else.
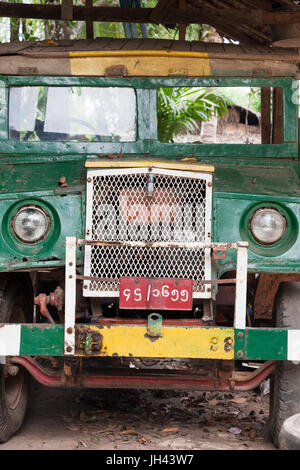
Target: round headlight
(30, 224)
(268, 226)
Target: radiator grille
(145, 206)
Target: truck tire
(285, 382)
(15, 307)
(289, 436)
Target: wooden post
(277, 124)
(182, 27)
(89, 24)
(265, 115)
(67, 10)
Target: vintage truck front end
(118, 248)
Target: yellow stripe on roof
(140, 53)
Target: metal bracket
(88, 342)
(219, 253)
(154, 328)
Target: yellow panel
(189, 342)
(149, 163)
(141, 65)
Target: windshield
(220, 115)
(41, 113)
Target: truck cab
(117, 245)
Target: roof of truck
(146, 57)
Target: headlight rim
(17, 248)
(256, 239)
(39, 209)
(283, 244)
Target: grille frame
(160, 172)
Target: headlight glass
(30, 224)
(268, 226)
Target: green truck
(116, 246)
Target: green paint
(154, 328)
(250, 344)
(261, 344)
(42, 340)
(246, 175)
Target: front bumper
(126, 338)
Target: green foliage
(181, 109)
(248, 97)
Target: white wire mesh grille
(146, 207)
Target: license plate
(160, 294)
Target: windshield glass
(80, 114)
(220, 115)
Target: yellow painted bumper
(176, 341)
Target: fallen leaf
(73, 428)
(128, 431)
(87, 419)
(84, 444)
(142, 440)
(239, 400)
(213, 402)
(170, 430)
(252, 434)
(84, 430)
(83, 417)
(67, 419)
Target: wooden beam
(89, 24)
(67, 10)
(159, 12)
(277, 124)
(201, 15)
(182, 27)
(265, 115)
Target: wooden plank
(158, 13)
(89, 24)
(228, 16)
(218, 51)
(67, 10)
(266, 5)
(182, 27)
(198, 46)
(148, 44)
(181, 45)
(265, 115)
(277, 124)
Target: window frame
(147, 142)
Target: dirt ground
(60, 419)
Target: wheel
(289, 436)
(285, 383)
(15, 307)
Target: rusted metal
(55, 299)
(42, 300)
(139, 321)
(88, 342)
(215, 246)
(219, 253)
(100, 279)
(266, 290)
(159, 379)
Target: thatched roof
(249, 33)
